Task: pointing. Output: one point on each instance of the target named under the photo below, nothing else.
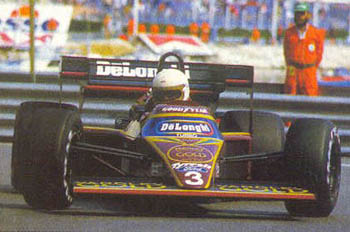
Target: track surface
(90, 214)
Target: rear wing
(137, 75)
(134, 77)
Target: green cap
(301, 7)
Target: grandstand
(332, 15)
(231, 21)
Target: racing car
(187, 150)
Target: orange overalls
(302, 54)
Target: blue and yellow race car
(183, 149)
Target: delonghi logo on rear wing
(124, 69)
(105, 68)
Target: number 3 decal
(195, 178)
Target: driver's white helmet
(169, 85)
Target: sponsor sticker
(190, 153)
(124, 69)
(262, 189)
(185, 167)
(184, 109)
(237, 188)
(111, 184)
(105, 68)
(179, 127)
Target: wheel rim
(67, 173)
(333, 169)
(67, 166)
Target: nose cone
(191, 161)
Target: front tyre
(25, 116)
(268, 136)
(47, 166)
(313, 159)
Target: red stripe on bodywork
(137, 89)
(237, 81)
(237, 137)
(76, 74)
(117, 88)
(196, 91)
(199, 193)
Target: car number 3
(193, 178)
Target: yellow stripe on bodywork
(100, 128)
(107, 129)
(235, 134)
(166, 115)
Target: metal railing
(16, 88)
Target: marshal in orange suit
(303, 49)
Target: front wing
(234, 190)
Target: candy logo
(190, 154)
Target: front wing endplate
(232, 190)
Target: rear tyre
(268, 136)
(46, 159)
(22, 134)
(313, 159)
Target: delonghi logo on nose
(123, 69)
(184, 127)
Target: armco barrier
(16, 88)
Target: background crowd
(229, 14)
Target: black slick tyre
(268, 136)
(22, 133)
(268, 129)
(45, 159)
(313, 159)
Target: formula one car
(184, 149)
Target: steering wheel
(162, 62)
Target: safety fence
(16, 88)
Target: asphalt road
(88, 214)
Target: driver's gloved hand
(136, 111)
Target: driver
(170, 85)
(167, 86)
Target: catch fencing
(17, 87)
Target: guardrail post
(32, 41)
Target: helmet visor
(168, 94)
